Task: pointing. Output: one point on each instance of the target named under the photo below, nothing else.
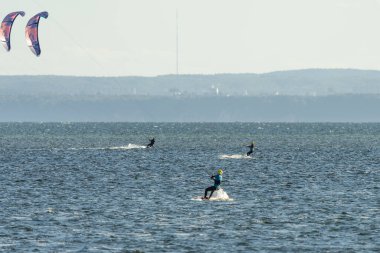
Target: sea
(94, 187)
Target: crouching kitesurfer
(217, 181)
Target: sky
(139, 37)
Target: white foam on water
(129, 146)
(218, 195)
(236, 156)
(85, 149)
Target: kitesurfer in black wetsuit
(250, 148)
(150, 145)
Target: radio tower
(177, 57)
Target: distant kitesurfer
(150, 145)
(251, 147)
(217, 181)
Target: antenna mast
(177, 57)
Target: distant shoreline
(291, 96)
(198, 74)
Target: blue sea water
(92, 187)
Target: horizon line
(193, 74)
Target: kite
(31, 33)
(6, 28)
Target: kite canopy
(6, 28)
(31, 33)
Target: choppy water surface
(92, 187)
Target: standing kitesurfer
(150, 145)
(251, 147)
(217, 181)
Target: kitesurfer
(251, 147)
(217, 181)
(150, 145)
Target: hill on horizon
(309, 82)
(287, 96)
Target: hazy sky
(138, 37)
